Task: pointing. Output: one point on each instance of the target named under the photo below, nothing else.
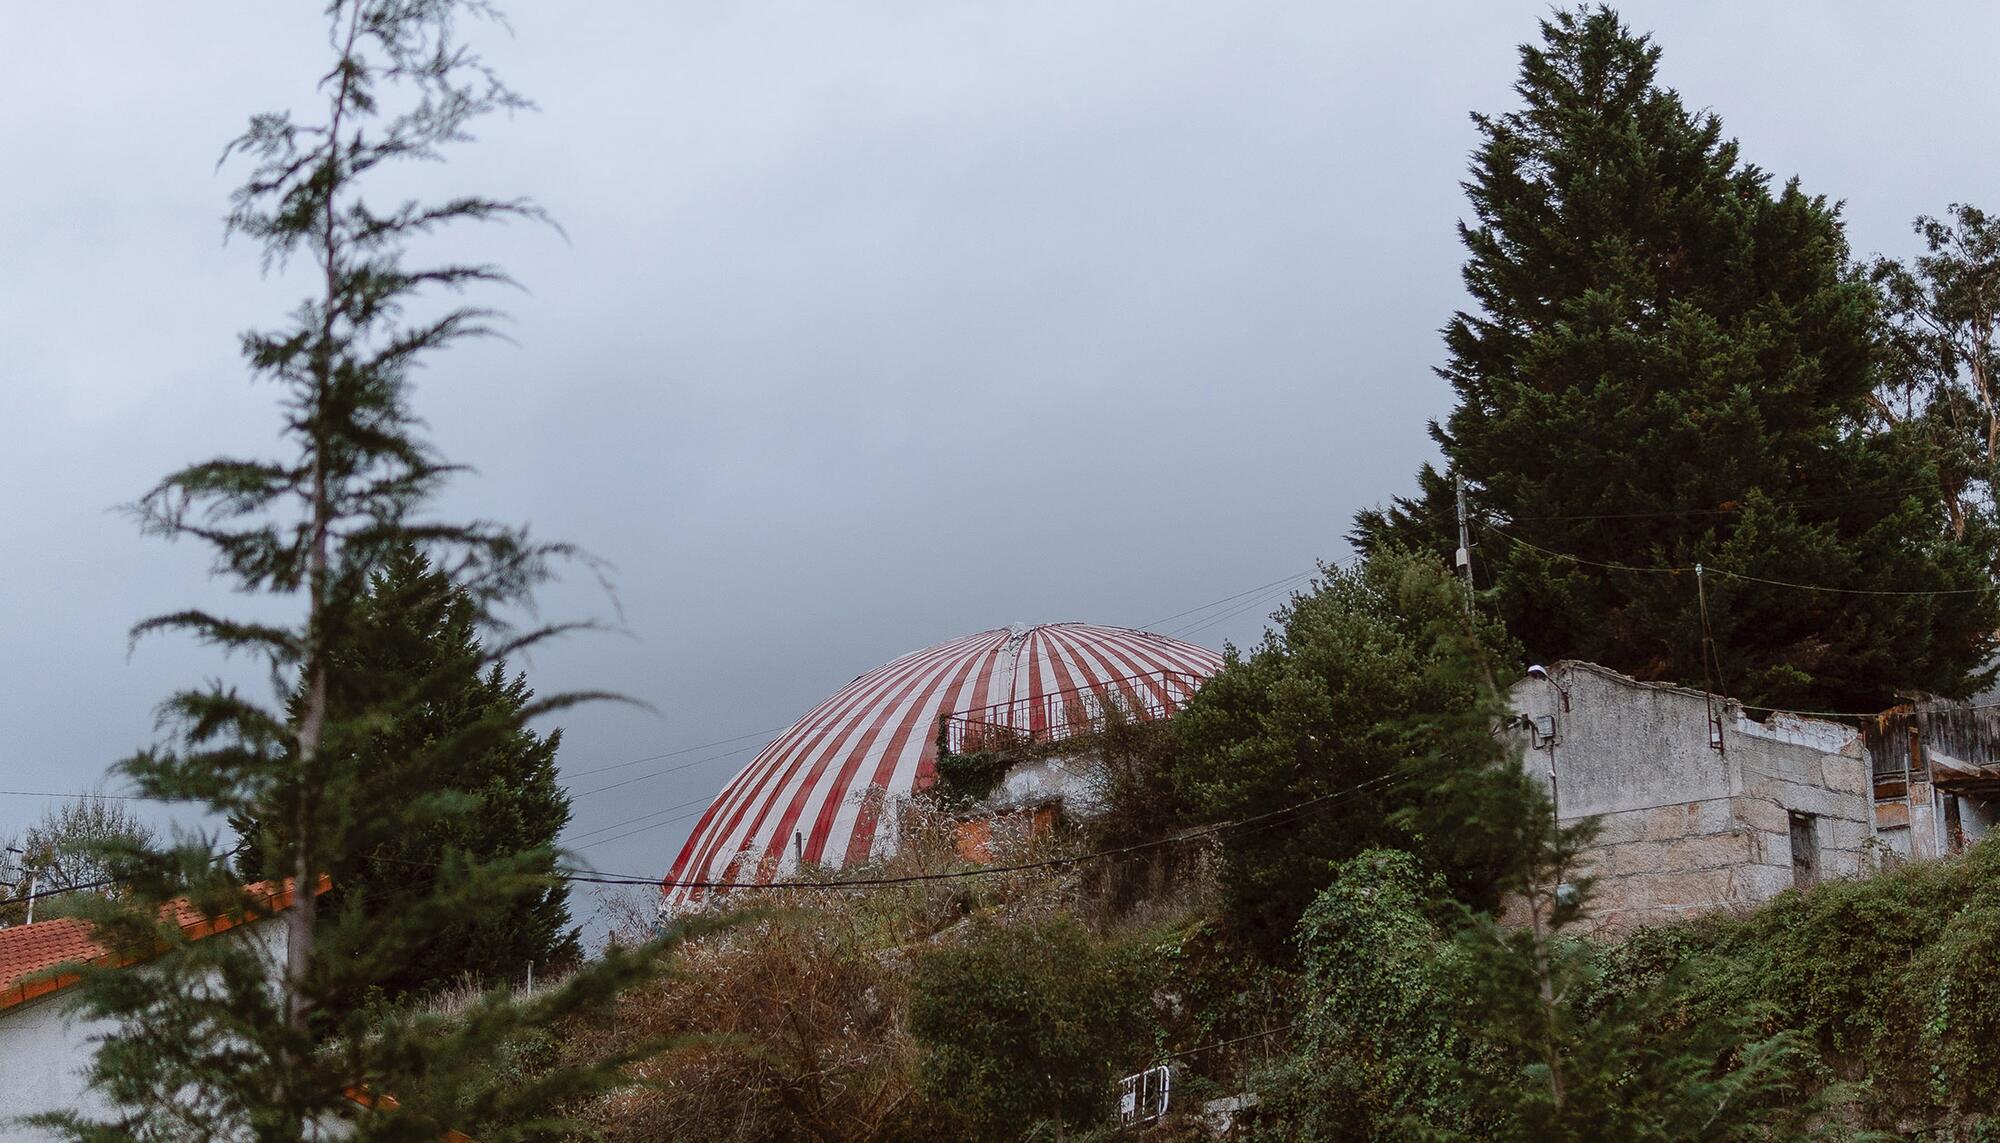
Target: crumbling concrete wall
(1699, 805)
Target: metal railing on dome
(1058, 715)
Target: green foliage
(1025, 1022)
(70, 846)
(1132, 762)
(1938, 387)
(1363, 701)
(969, 778)
(416, 635)
(232, 1045)
(1383, 986)
(1670, 365)
(1957, 1020)
(1886, 985)
(1423, 1023)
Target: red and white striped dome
(804, 795)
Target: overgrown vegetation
(1886, 983)
(973, 1009)
(1422, 1020)
(969, 777)
(1363, 702)
(1024, 1022)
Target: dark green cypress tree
(214, 1040)
(1670, 365)
(418, 635)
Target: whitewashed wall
(46, 1049)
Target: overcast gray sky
(878, 323)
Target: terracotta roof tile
(28, 950)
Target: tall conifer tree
(214, 1041)
(416, 637)
(1670, 365)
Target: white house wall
(46, 1048)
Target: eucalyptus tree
(219, 1040)
(1942, 383)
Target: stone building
(1701, 805)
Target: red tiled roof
(27, 950)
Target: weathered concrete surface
(1686, 827)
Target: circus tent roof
(804, 796)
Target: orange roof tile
(28, 950)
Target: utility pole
(1464, 539)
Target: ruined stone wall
(1684, 827)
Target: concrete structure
(45, 1046)
(1701, 806)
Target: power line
(1264, 820)
(642, 829)
(1225, 599)
(1203, 625)
(106, 883)
(1954, 708)
(1261, 599)
(1850, 498)
(90, 797)
(1712, 570)
(640, 818)
(1226, 1043)
(1853, 590)
(675, 753)
(665, 770)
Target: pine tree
(1671, 365)
(213, 1041)
(417, 635)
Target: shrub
(1383, 989)
(1026, 1022)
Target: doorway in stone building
(1805, 851)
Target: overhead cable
(1713, 570)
